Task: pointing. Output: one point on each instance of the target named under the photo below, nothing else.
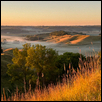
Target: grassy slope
(88, 88)
(83, 40)
(90, 39)
(6, 58)
(76, 39)
(85, 87)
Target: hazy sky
(45, 13)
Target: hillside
(76, 39)
(81, 87)
(84, 87)
(62, 37)
(6, 58)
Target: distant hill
(59, 33)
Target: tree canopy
(38, 62)
(17, 70)
(31, 63)
(1, 50)
(58, 33)
(42, 60)
(68, 58)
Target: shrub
(1, 50)
(58, 33)
(68, 58)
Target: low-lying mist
(16, 41)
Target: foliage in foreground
(6, 58)
(84, 88)
(83, 85)
(30, 63)
(1, 50)
(37, 65)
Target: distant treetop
(59, 33)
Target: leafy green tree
(31, 63)
(66, 58)
(42, 60)
(17, 70)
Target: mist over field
(15, 35)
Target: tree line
(59, 33)
(39, 65)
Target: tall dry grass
(83, 85)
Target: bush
(58, 33)
(1, 50)
(68, 58)
(42, 60)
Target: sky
(50, 13)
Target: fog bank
(15, 41)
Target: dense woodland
(37, 65)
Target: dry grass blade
(81, 85)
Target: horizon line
(50, 25)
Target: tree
(18, 71)
(58, 33)
(31, 63)
(66, 58)
(42, 60)
(1, 50)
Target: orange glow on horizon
(48, 23)
(52, 13)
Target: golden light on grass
(7, 49)
(79, 39)
(84, 85)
